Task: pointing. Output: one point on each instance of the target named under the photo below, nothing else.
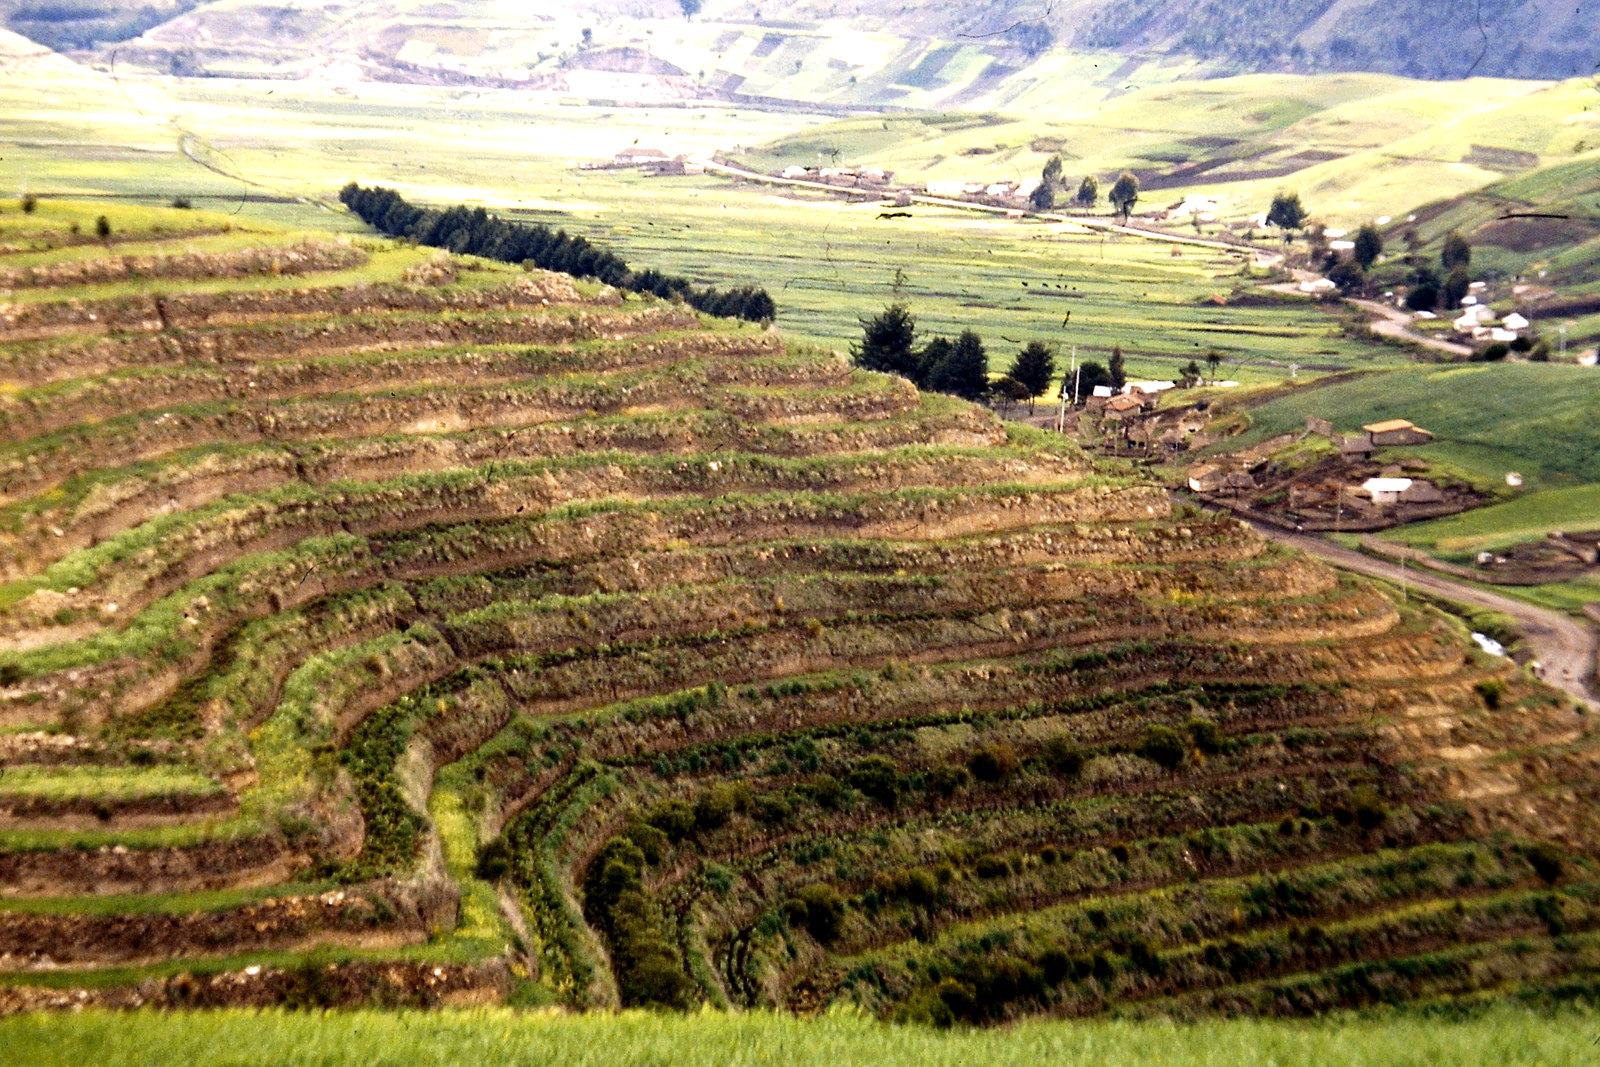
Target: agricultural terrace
(385, 627)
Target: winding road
(1565, 647)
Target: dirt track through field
(1566, 648)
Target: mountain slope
(382, 626)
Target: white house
(1386, 490)
(1148, 388)
(1515, 321)
(1503, 335)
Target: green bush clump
(675, 818)
(877, 777)
(1162, 745)
(1548, 861)
(947, 779)
(648, 966)
(994, 762)
(1062, 755)
(820, 910)
(719, 803)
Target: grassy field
(490, 1038)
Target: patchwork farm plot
(403, 629)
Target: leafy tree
(1118, 370)
(102, 227)
(1369, 246)
(1348, 276)
(878, 778)
(1124, 194)
(30, 204)
(1043, 198)
(1007, 391)
(1051, 175)
(994, 762)
(1456, 251)
(1456, 286)
(690, 8)
(820, 909)
(1214, 361)
(1286, 211)
(1033, 369)
(1189, 375)
(477, 232)
(964, 372)
(888, 342)
(1423, 297)
(1088, 190)
(1091, 376)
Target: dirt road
(1565, 647)
(1392, 322)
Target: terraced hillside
(423, 631)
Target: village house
(1356, 446)
(1396, 432)
(1206, 478)
(1124, 407)
(1385, 492)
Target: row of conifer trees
(473, 231)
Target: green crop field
(498, 1037)
(495, 1039)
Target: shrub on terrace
(1162, 745)
(1063, 756)
(993, 762)
(877, 777)
(819, 910)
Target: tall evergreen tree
(1088, 190)
(1118, 369)
(963, 371)
(888, 342)
(934, 355)
(1034, 368)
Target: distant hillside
(1415, 38)
(919, 55)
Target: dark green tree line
(473, 231)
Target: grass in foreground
(490, 1037)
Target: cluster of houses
(1478, 321)
(843, 177)
(652, 161)
(1372, 497)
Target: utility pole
(1562, 330)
